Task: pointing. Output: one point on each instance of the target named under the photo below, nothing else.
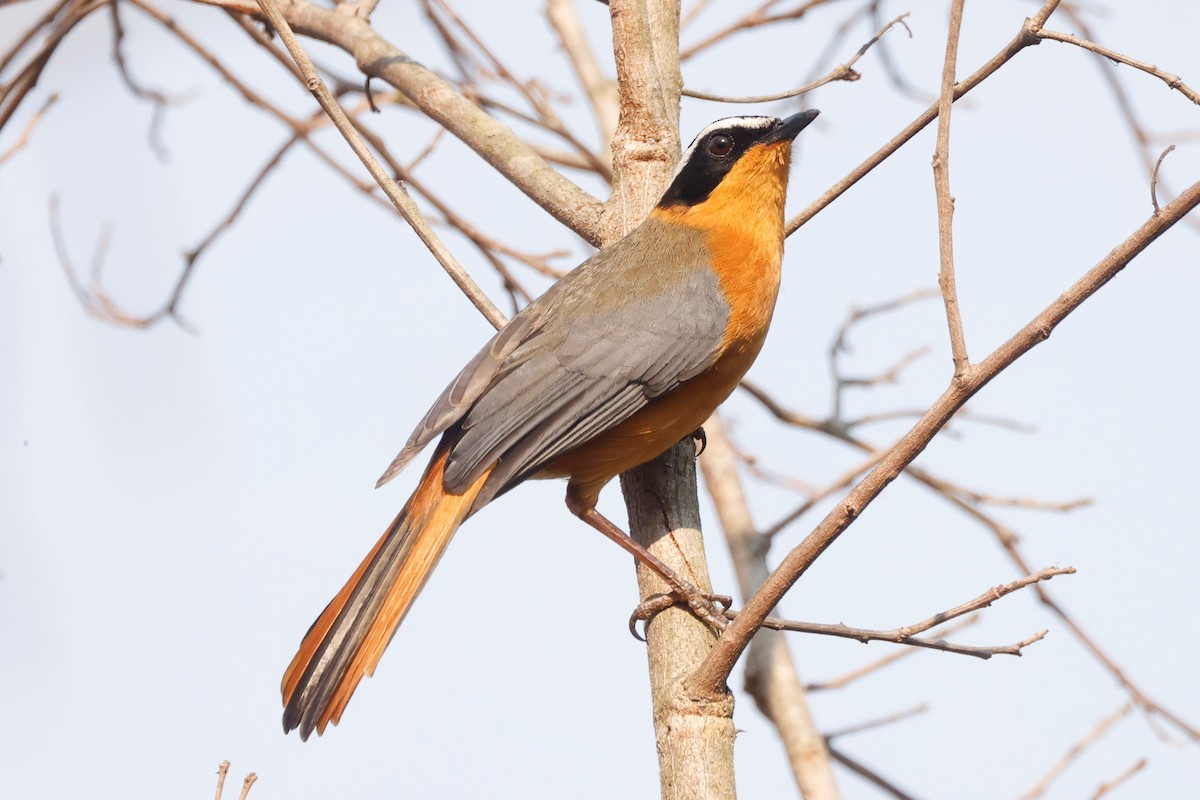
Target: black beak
(787, 129)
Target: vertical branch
(771, 675)
(945, 202)
(645, 146)
(694, 736)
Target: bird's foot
(710, 608)
(701, 440)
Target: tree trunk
(694, 736)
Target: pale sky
(178, 507)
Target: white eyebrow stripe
(753, 123)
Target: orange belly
(651, 431)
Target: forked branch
(716, 668)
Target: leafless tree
(516, 125)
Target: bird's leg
(702, 606)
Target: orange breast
(742, 225)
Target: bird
(624, 356)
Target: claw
(724, 601)
(702, 439)
(713, 615)
(648, 610)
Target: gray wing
(462, 391)
(574, 366)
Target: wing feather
(572, 365)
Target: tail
(347, 640)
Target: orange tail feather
(348, 639)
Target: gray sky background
(178, 507)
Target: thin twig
(907, 634)
(945, 202)
(1112, 78)
(222, 771)
(1110, 785)
(871, 667)
(158, 100)
(27, 131)
(815, 497)
(879, 722)
(869, 775)
(487, 245)
(396, 193)
(1076, 750)
(1172, 81)
(891, 69)
(754, 19)
(840, 344)
(33, 30)
(426, 152)
(546, 116)
(842, 72)
(15, 90)
(1154, 178)
(247, 782)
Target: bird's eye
(720, 145)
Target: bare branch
(247, 782)
(907, 634)
(222, 771)
(736, 637)
(14, 91)
(842, 72)
(546, 117)
(1076, 750)
(840, 345)
(693, 736)
(1172, 81)
(886, 661)
(754, 19)
(438, 100)
(890, 68)
(877, 723)
(396, 193)
(815, 497)
(1008, 541)
(27, 131)
(1154, 178)
(1109, 786)
(1025, 38)
(868, 774)
(33, 30)
(964, 415)
(961, 498)
(159, 100)
(1024, 502)
(838, 73)
(945, 203)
